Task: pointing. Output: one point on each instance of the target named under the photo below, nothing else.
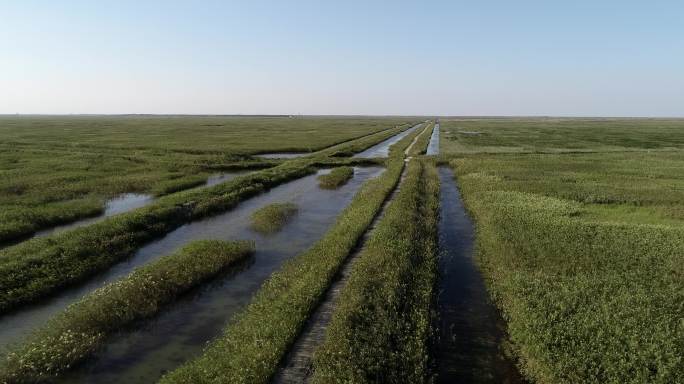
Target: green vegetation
(272, 217)
(336, 178)
(55, 170)
(256, 339)
(38, 267)
(553, 135)
(381, 326)
(78, 331)
(583, 254)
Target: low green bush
(78, 331)
(257, 338)
(273, 217)
(336, 178)
(380, 329)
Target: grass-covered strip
(38, 267)
(272, 217)
(422, 140)
(78, 331)
(257, 338)
(336, 178)
(381, 326)
(584, 255)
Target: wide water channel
(144, 353)
(471, 330)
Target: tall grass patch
(273, 217)
(336, 178)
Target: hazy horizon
(435, 58)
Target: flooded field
(143, 354)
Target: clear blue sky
(617, 58)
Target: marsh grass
(273, 217)
(583, 254)
(257, 339)
(336, 178)
(39, 267)
(77, 332)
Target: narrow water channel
(382, 149)
(470, 327)
(433, 146)
(177, 335)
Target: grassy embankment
(38, 267)
(336, 178)
(55, 170)
(256, 339)
(74, 334)
(272, 217)
(584, 254)
(381, 327)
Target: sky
(561, 58)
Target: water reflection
(470, 327)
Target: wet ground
(471, 330)
(143, 354)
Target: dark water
(433, 147)
(382, 149)
(178, 334)
(283, 155)
(120, 204)
(470, 328)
